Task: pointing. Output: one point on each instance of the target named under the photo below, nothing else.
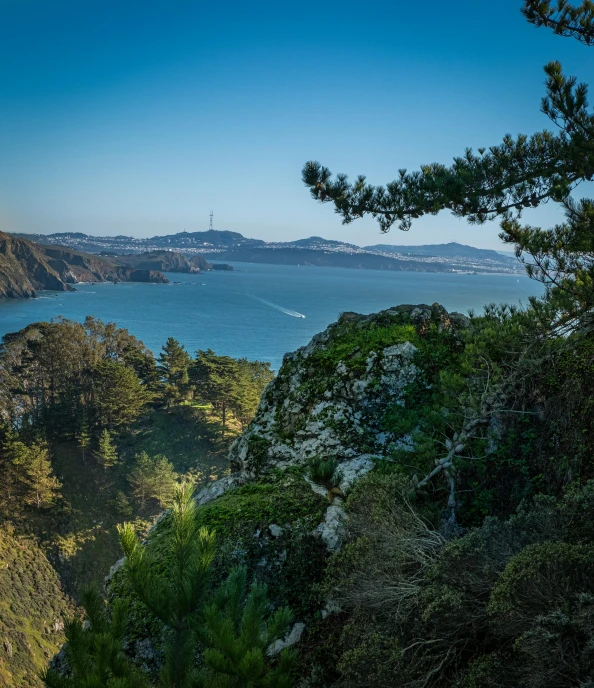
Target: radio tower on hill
(210, 227)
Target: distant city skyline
(140, 118)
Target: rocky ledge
(331, 397)
(340, 398)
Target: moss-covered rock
(345, 394)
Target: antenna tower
(210, 225)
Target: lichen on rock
(331, 396)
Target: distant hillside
(164, 261)
(320, 242)
(292, 256)
(314, 250)
(211, 237)
(26, 267)
(450, 250)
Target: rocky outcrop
(331, 397)
(26, 267)
(343, 396)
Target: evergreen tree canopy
(174, 362)
(254, 376)
(216, 379)
(83, 438)
(106, 453)
(503, 180)
(26, 469)
(229, 383)
(119, 394)
(152, 477)
(42, 485)
(172, 582)
(171, 576)
(238, 635)
(56, 376)
(95, 653)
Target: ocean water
(256, 310)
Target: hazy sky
(139, 117)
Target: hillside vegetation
(417, 487)
(94, 431)
(412, 503)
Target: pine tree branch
(563, 18)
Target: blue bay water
(255, 310)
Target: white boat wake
(286, 311)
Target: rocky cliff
(26, 267)
(340, 398)
(327, 505)
(335, 396)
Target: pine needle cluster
(220, 640)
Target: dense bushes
(512, 599)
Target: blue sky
(140, 117)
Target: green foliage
(152, 477)
(57, 373)
(253, 378)
(119, 394)
(170, 576)
(277, 498)
(238, 633)
(172, 582)
(83, 439)
(42, 486)
(28, 473)
(503, 180)
(541, 576)
(322, 471)
(353, 344)
(230, 384)
(76, 385)
(106, 454)
(509, 603)
(174, 363)
(258, 452)
(95, 655)
(32, 608)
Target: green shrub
(322, 471)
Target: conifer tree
(106, 453)
(173, 583)
(95, 653)
(174, 363)
(502, 180)
(252, 379)
(12, 459)
(83, 439)
(164, 479)
(217, 381)
(152, 477)
(9, 483)
(170, 575)
(42, 486)
(238, 635)
(119, 396)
